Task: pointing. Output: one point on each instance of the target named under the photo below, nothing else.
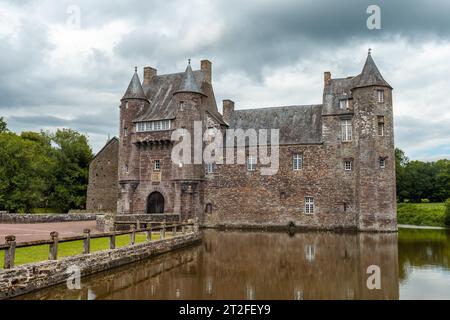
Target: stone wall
(43, 218)
(103, 187)
(34, 276)
(247, 199)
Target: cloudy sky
(67, 63)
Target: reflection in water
(259, 265)
(424, 261)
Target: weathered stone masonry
(361, 197)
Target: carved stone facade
(343, 149)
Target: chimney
(206, 67)
(227, 110)
(326, 77)
(149, 73)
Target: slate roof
(188, 82)
(135, 90)
(299, 124)
(370, 76)
(161, 89)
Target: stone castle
(336, 163)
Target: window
(343, 104)
(210, 167)
(380, 95)
(153, 125)
(157, 165)
(347, 165)
(297, 162)
(380, 126)
(126, 105)
(382, 163)
(309, 205)
(251, 163)
(125, 132)
(126, 168)
(346, 130)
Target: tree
(72, 156)
(3, 125)
(25, 172)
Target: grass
(421, 214)
(65, 249)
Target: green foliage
(447, 212)
(34, 174)
(3, 126)
(417, 180)
(421, 214)
(425, 200)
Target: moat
(414, 264)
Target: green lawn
(40, 252)
(421, 214)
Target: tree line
(419, 181)
(43, 170)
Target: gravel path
(39, 231)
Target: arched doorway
(155, 203)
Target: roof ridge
(282, 107)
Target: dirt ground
(39, 231)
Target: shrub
(406, 200)
(425, 200)
(447, 212)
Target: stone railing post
(112, 240)
(132, 234)
(53, 252)
(162, 232)
(149, 234)
(87, 241)
(10, 253)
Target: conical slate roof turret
(135, 90)
(370, 75)
(188, 83)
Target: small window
(345, 206)
(126, 168)
(346, 130)
(309, 205)
(126, 105)
(208, 208)
(157, 125)
(382, 163)
(125, 132)
(297, 162)
(157, 165)
(380, 129)
(347, 165)
(210, 167)
(343, 104)
(380, 96)
(251, 163)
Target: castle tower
(374, 157)
(188, 177)
(133, 102)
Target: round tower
(133, 103)
(375, 157)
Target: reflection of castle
(304, 266)
(336, 159)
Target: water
(414, 264)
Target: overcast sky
(60, 71)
